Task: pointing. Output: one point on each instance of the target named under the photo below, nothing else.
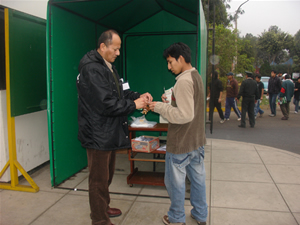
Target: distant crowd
(281, 90)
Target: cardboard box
(145, 144)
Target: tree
(272, 44)
(225, 45)
(245, 58)
(295, 52)
(265, 69)
(221, 16)
(224, 48)
(296, 65)
(296, 49)
(250, 45)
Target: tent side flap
(70, 38)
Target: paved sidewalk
(246, 184)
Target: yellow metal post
(12, 163)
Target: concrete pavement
(246, 184)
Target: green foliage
(245, 64)
(224, 48)
(221, 16)
(272, 44)
(296, 65)
(295, 52)
(245, 57)
(265, 69)
(224, 81)
(283, 68)
(227, 46)
(249, 47)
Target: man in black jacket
(104, 102)
(274, 87)
(249, 92)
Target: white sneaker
(222, 121)
(227, 119)
(296, 112)
(239, 119)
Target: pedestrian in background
(260, 87)
(274, 86)
(279, 75)
(297, 95)
(286, 94)
(232, 90)
(249, 92)
(217, 89)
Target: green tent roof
(131, 12)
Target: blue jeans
(257, 108)
(272, 102)
(296, 103)
(177, 167)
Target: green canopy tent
(146, 28)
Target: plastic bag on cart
(142, 122)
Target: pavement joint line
(242, 181)
(240, 163)
(280, 151)
(83, 179)
(290, 184)
(277, 187)
(127, 213)
(282, 164)
(133, 203)
(248, 209)
(35, 219)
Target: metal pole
(236, 51)
(212, 94)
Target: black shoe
(241, 126)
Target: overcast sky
(261, 14)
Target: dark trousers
(231, 103)
(217, 104)
(248, 106)
(285, 109)
(101, 166)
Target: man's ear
(102, 47)
(182, 60)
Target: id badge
(125, 86)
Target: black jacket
(249, 89)
(102, 113)
(274, 85)
(216, 88)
